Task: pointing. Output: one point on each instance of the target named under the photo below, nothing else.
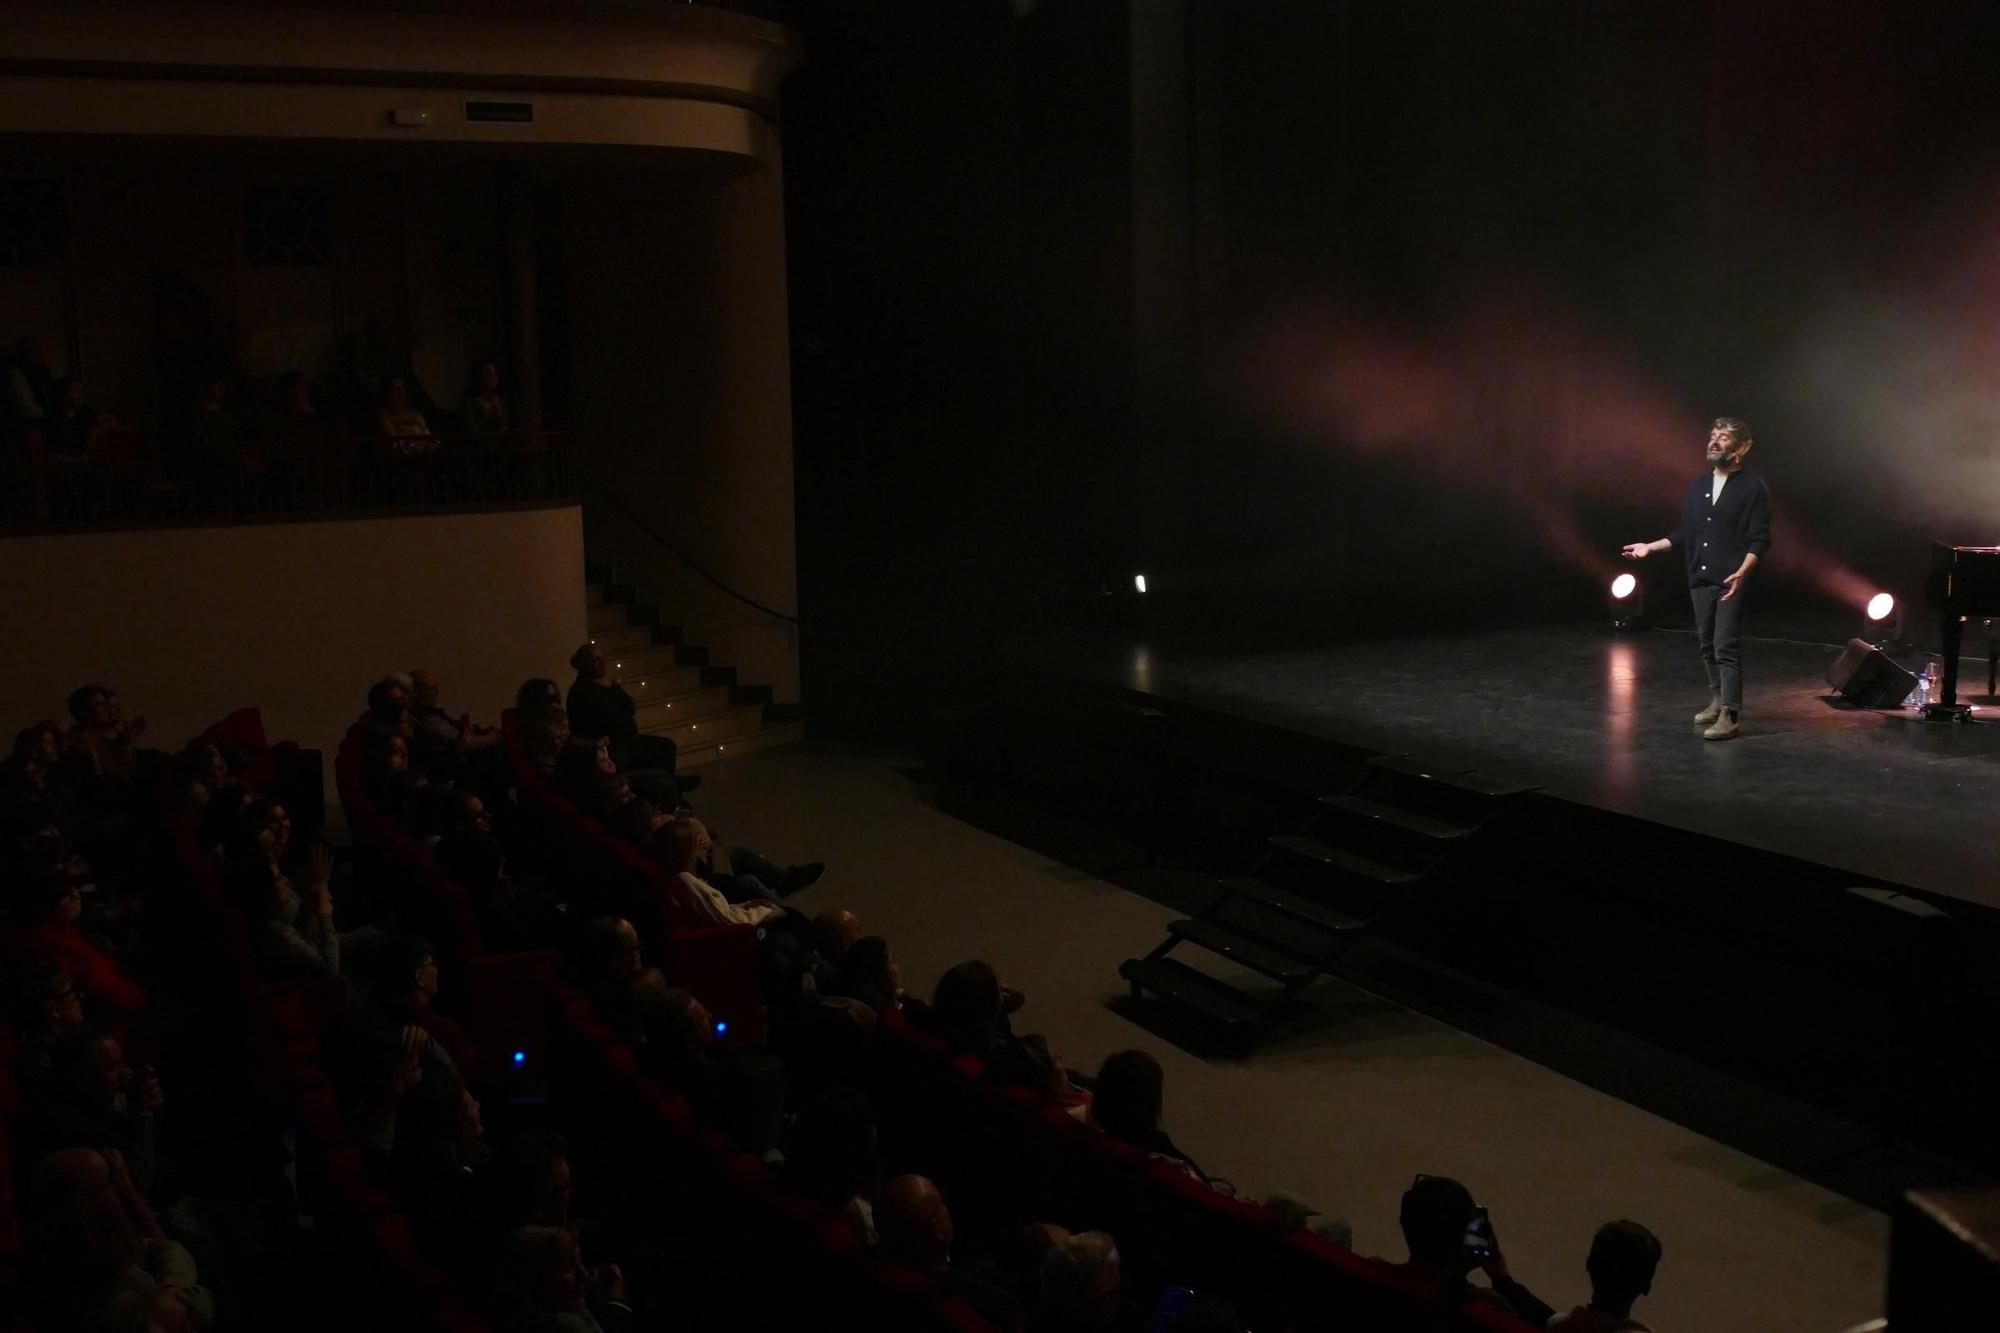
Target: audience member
(1125, 1103)
(482, 412)
(737, 1090)
(291, 936)
(535, 695)
(545, 1290)
(48, 908)
(914, 1226)
(93, 1099)
(102, 735)
(95, 1256)
(833, 1158)
(1081, 1288)
(401, 423)
(31, 386)
(867, 973)
(1624, 1256)
(600, 708)
(968, 1011)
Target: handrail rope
(678, 553)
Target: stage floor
(1606, 719)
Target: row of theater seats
(676, 1175)
(999, 1151)
(606, 874)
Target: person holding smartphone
(1450, 1236)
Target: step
(721, 726)
(1257, 955)
(1479, 784)
(662, 682)
(1437, 830)
(603, 619)
(664, 659)
(1293, 904)
(785, 733)
(1197, 990)
(663, 707)
(1338, 858)
(625, 639)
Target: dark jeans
(1720, 625)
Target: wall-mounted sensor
(410, 117)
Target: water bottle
(1921, 695)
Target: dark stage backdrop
(1330, 313)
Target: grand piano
(1964, 582)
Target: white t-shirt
(1715, 488)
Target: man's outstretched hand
(1638, 551)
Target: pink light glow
(1517, 400)
(1622, 586)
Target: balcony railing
(122, 485)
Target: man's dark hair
(1131, 1087)
(1736, 426)
(1436, 1210)
(1623, 1258)
(80, 699)
(535, 695)
(967, 1004)
(580, 659)
(383, 705)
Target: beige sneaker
(1710, 713)
(1724, 728)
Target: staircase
(1314, 894)
(679, 692)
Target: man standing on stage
(1725, 530)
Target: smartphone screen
(1479, 1235)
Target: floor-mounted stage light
(1884, 622)
(1628, 602)
(1138, 583)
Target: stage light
(1139, 583)
(520, 1058)
(1885, 619)
(1628, 602)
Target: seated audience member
(47, 909)
(867, 973)
(1125, 1103)
(913, 1226)
(679, 847)
(435, 726)
(545, 736)
(439, 1152)
(833, 933)
(832, 1157)
(75, 430)
(33, 787)
(482, 412)
(751, 874)
(401, 791)
(101, 734)
(1435, 1213)
(612, 968)
(530, 1184)
(738, 1091)
(968, 1012)
(93, 1099)
(291, 933)
(511, 916)
(536, 694)
(634, 818)
(600, 708)
(582, 761)
(1081, 1288)
(46, 1008)
(30, 398)
(399, 981)
(216, 444)
(372, 1069)
(1624, 1256)
(95, 1256)
(544, 1289)
(402, 425)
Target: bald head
(834, 931)
(914, 1225)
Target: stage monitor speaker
(1867, 677)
